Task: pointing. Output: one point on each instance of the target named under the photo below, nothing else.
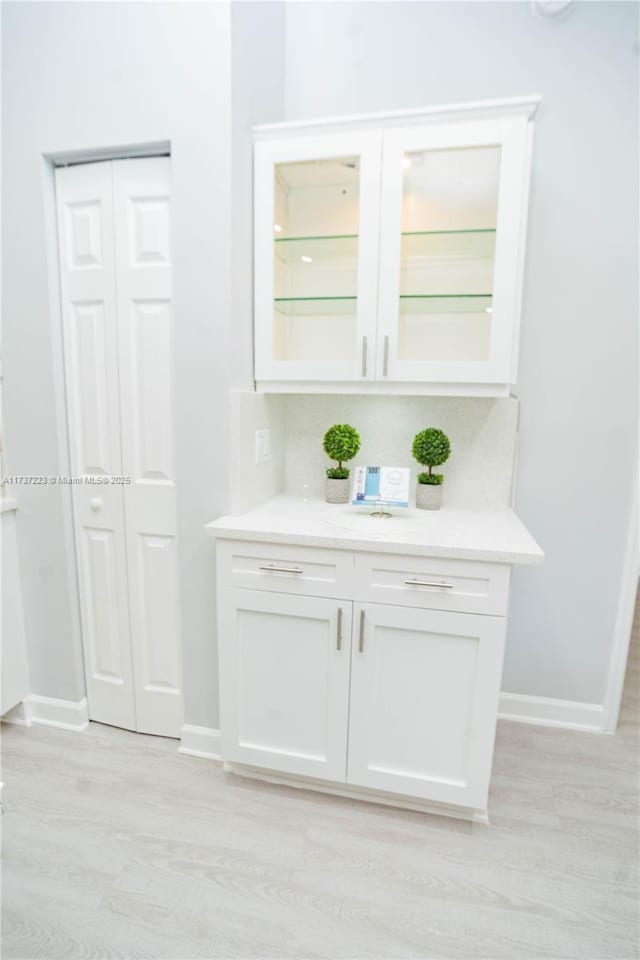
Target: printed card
(385, 485)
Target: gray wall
(83, 75)
(77, 76)
(579, 349)
(257, 96)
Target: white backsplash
(479, 472)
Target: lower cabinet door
(284, 681)
(424, 698)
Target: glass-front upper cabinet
(451, 240)
(316, 227)
(389, 251)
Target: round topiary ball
(341, 442)
(431, 447)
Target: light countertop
(497, 536)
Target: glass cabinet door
(316, 249)
(451, 214)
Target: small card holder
(381, 487)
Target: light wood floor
(115, 846)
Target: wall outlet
(263, 446)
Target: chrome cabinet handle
(361, 636)
(273, 568)
(364, 356)
(339, 630)
(430, 583)
(385, 357)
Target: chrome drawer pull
(430, 583)
(364, 356)
(339, 630)
(361, 637)
(272, 568)
(385, 361)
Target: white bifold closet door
(115, 269)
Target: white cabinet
(452, 217)
(424, 689)
(316, 256)
(382, 700)
(284, 667)
(389, 251)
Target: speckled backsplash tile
(483, 434)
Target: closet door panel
(145, 335)
(87, 276)
(157, 615)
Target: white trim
(624, 624)
(200, 742)
(376, 388)
(547, 712)
(61, 418)
(19, 715)
(65, 158)
(50, 712)
(524, 216)
(358, 793)
(509, 106)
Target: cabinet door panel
(316, 255)
(424, 693)
(452, 227)
(284, 682)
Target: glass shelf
(411, 233)
(449, 303)
(315, 306)
(458, 244)
(342, 248)
(420, 303)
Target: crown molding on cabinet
(478, 110)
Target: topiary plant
(341, 442)
(430, 448)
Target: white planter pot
(429, 496)
(338, 491)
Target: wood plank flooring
(116, 846)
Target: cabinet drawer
(285, 569)
(437, 584)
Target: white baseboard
(19, 715)
(624, 623)
(547, 712)
(50, 712)
(541, 711)
(200, 742)
(205, 741)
